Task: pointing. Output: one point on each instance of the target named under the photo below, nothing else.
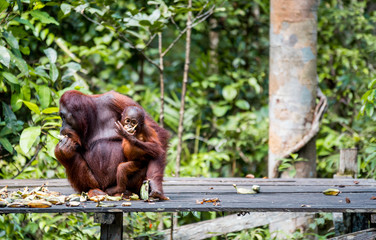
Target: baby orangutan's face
(133, 119)
(130, 125)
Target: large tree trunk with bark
(292, 92)
(293, 81)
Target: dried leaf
(373, 198)
(134, 197)
(256, 188)
(57, 200)
(113, 198)
(100, 204)
(73, 204)
(98, 198)
(4, 190)
(331, 191)
(73, 196)
(39, 204)
(356, 182)
(16, 205)
(3, 203)
(250, 176)
(348, 200)
(126, 204)
(244, 190)
(304, 205)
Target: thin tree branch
(140, 51)
(173, 22)
(29, 162)
(184, 89)
(194, 22)
(126, 40)
(148, 43)
(161, 80)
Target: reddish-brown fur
(93, 152)
(139, 149)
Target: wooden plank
(299, 196)
(368, 234)
(14, 183)
(228, 224)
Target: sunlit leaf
(220, 111)
(10, 77)
(44, 95)
(20, 64)
(242, 104)
(81, 8)
(155, 15)
(28, 137)
(25, 22)
(369, 109)
(65, 8)
(38, 5)
(32, 106)
(50, 39)
(51, 54)
(229, 93)
(50, 110)
(11, 40)
(4, 56)
(372, 84)
(6, 144)
(26, 91)
(3, 5)
(54, 73)
(44, 17)
(14, 101)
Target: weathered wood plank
(369, 234)
(210, 182)
(298, 195)
(228, 224)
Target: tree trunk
(161, 80)
(292, 91)
(292, 80)
(183, 90)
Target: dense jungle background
(48, 47)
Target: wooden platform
(277, 195)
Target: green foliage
(251, 234)
(346, 68)
(288, 164)
(48, 226)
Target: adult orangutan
(91, 150)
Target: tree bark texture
(292, 81)
(184, 90)
(161, 80)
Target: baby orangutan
(144, 153)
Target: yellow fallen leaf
(331, 191)
(39, 204)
